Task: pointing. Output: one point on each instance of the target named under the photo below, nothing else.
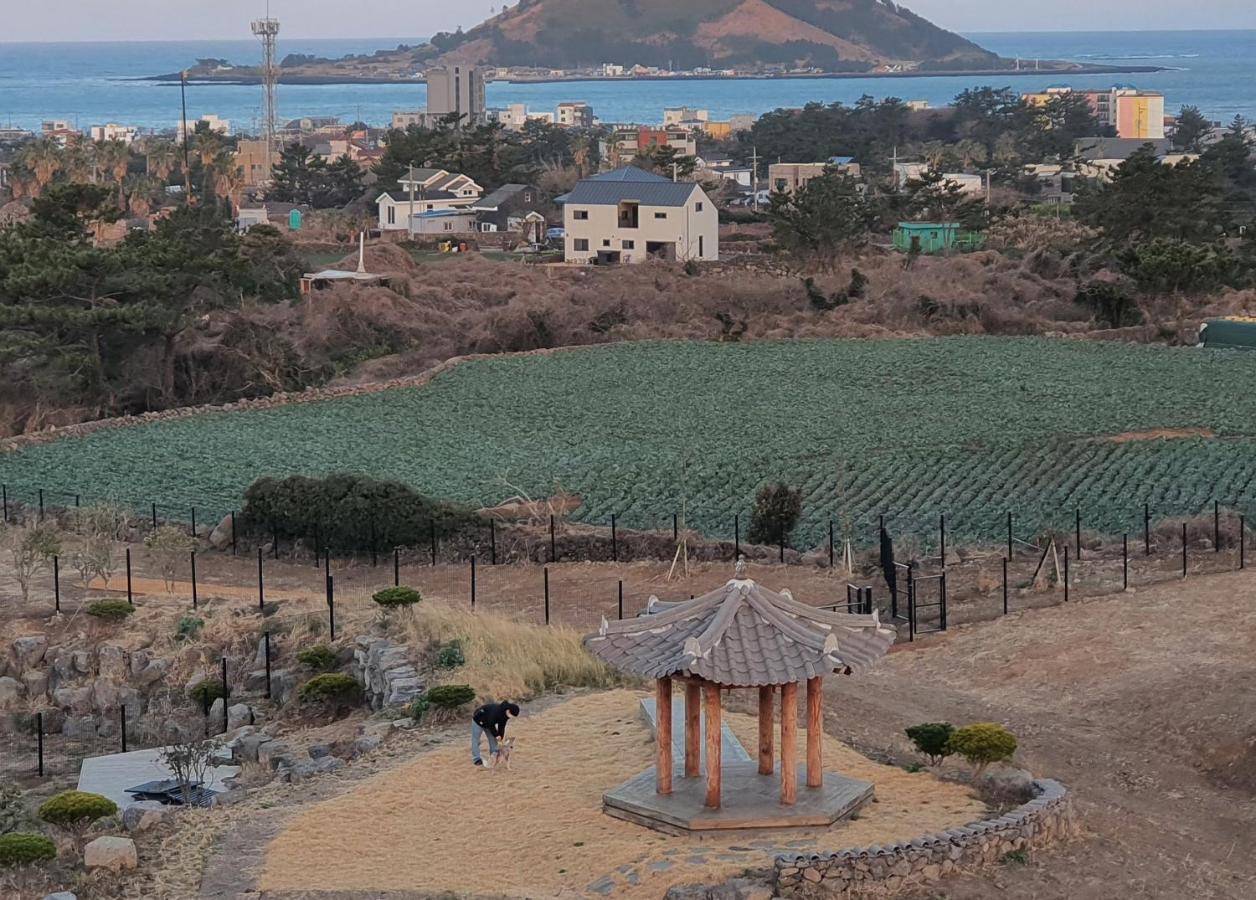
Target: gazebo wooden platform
(739, 636)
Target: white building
(213, 122)
(113, 132)
(425, 191)
(630, 216)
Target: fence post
(192, 531)
(831, 557)
(1005, 585)
(1125, 562)
(396, 567)
(274, 538)
(39, 732)
(911, 602)
(122, 722)
(1243, 542)
(675, 527)
(266, 645)
(1078, 535)
(154, 511)
(233, 533)
(614, 539)
(205, 707)
(1146, 529)
(736, 537)
(942, 539)
(318, 545)
(194, 597)
(1216, 526)
(331, 606)
(492, 542)
(226, 695)
(261, 589)
(433, 537)
(130, 598)
(374, 544)
(782, 543)
(41, 504)
(1066, 578)
(473, 584)
(621, 599)
(4, 493)
(943, 600)
(547, 614)
(56, 583)
(1183, 549)
(553, 542)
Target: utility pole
(410, 220)
(894, 168)
(187, 169)
(754, 176)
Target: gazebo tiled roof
(741, 635)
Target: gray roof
(420, 196)
(630, 173)
(1117, 148)
(741, 635)
(500, 196)
(648, 193)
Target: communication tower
(268, 30)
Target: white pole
(362, 252)
(410, 219)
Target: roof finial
(739, 570)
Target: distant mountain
(834, 35)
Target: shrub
(207, 691)
(320, 658)
(777, 508)
(419, 709)
(982, 744)
(397, 597)
(110, 610)
(171, 546)
(451, 656)
(449, 696)
(931, 739)
(1112, 303)
(348, 512)
(189, 628)
(13, 813)
(331, 688)
(75, 811)
(24, 849)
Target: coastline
(253, 80)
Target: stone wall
(886, 871)
(387, 675)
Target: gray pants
(476, 731)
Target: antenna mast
(268, 30)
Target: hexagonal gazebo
(740, 635)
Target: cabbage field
(969, 427)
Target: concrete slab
(731, 750)
(110, 776)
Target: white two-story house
(425, 191)
(630, 215)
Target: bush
(451, 656)
(1112, 303)
(13, 813)
(189, 628)
(419, 709)
(24, 849)
(206, 691)
(397, 597)
(982, 744)
(449, 696)
(75, 811)
(331, 688)
(777, 508)
(345, 512)
(110, 610)
(320, 658)
(931, 739)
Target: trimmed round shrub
(334, 688)
(189, 628)
(206, 691)
(75, 810)
(449, 696)
(397, 597)
(777, 508)
(320, 658)
(20, 848)
(931, 739)
(419, 708)
(110, 610)
(451, 656)
(982, 744)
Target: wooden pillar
(789, 743)
(815, 733)
(766, 763)
(713, 745)
(663, 760)
(693, 729)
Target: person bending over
(490, 719)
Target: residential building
(403, 120)
(630, 141)
(251, 158)
(284, 216)
(1133, 114)
(508, 207)
(425, 190)
(315, 125)
(112, 132)
(58, 130)
(212, 122)
(630, 216)
(575, 115)
(457, 90)
(788, 177)
(443, 223)
(968, 184)
(14, 134)
(1097, 157)
(675, 115)
(612, 70)
(936, 237)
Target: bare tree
(188, 761)
(98, 528)
(172, 547)
(32, 551)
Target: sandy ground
(437, 823)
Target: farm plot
(967, 427)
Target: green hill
(836, 35)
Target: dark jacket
(492, 717)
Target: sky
(76, 20)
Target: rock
(303, 771)
(238, 715)
(273, 753)
(104, 695)
(217, 710)
(139, 659)
(53, 718)
(30, 650)
(77, 701)
(61, 895)
(82, 662)
(146, 814)
(366, 743)
(220, 538)
(155, 670)
(79, 727)
(246, 748)
(1006, 786)
(113, 662)
(319, 751)
(114, 853)
(36, 682)
(381, 730)
(231, 797)
(11, 693)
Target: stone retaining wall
(886, 871)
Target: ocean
(94, 83)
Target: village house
(630, 215)
(433, 190)
(508, 207)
